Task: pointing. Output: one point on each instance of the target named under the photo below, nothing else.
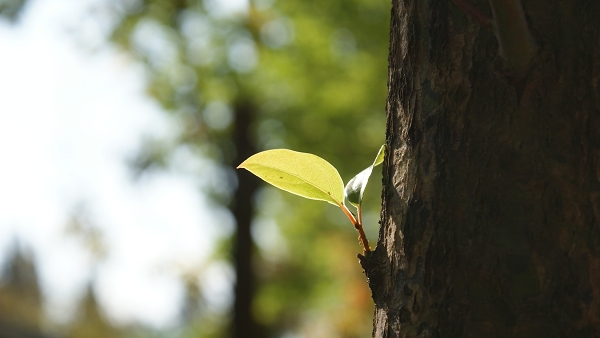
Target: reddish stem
(359, 214)
(358, 226)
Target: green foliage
(310, 176)
(303, 174)
(355, 188)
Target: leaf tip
(243, 164)
(380, 156)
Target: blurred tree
(491, 216)
(90, 322)
(307, 75)
(196, 316)
(20, 297)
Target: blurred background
(121, 123)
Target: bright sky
(68, 121)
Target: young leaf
(380, 156)
(356, 187)
(303, 174)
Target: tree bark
(491, 201)
(244, 324)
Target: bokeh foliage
(316, 72)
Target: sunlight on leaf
(303, 174)
(356, 187)
(380, 156)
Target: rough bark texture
(491, 212)
(244, 324)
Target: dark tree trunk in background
(244, 325)
(491, 212)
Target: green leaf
(303, 174)
(380, 156)
(356, 187)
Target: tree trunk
(244, 324)
(491, 203)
